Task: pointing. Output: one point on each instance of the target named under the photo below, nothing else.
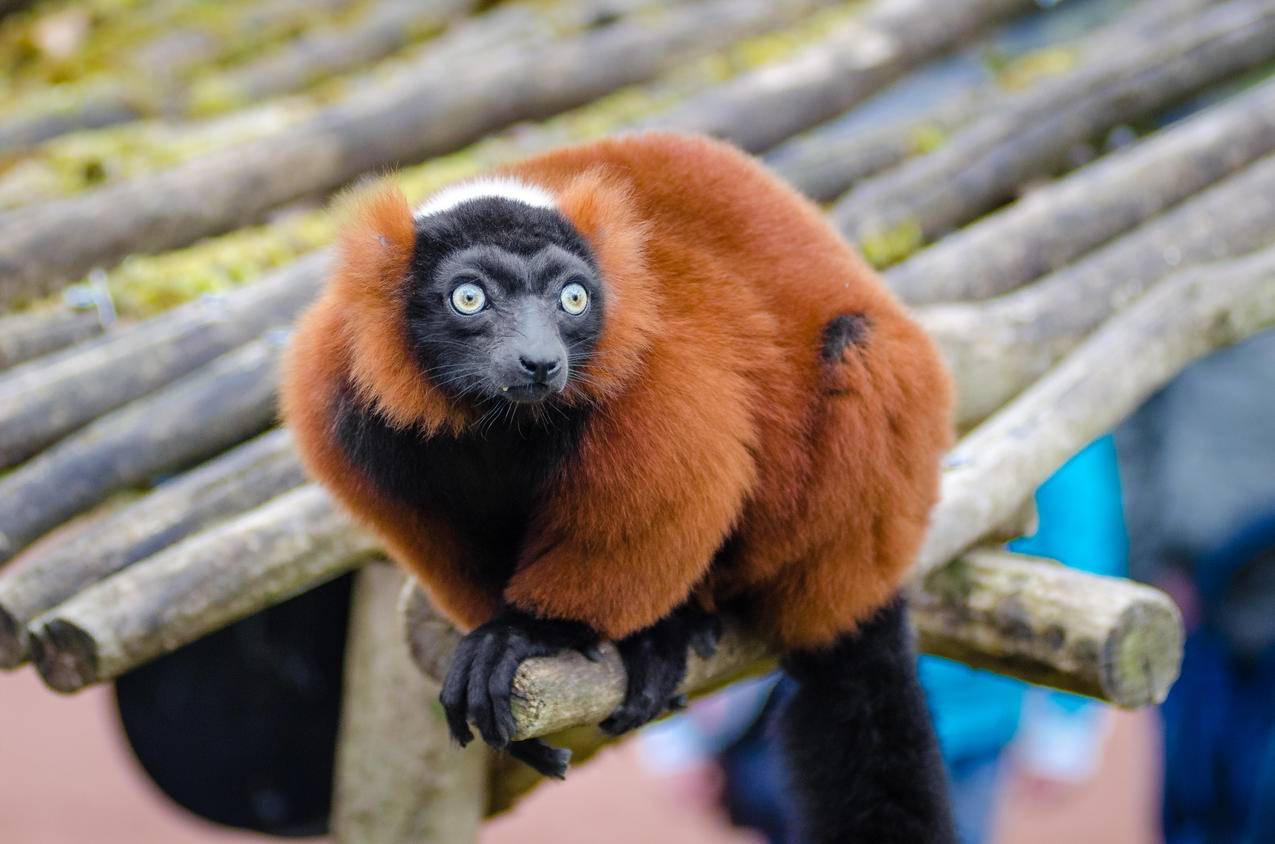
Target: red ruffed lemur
(614, 389)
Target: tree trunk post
(399, 776)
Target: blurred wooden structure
(1062, 296)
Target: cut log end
(1143, 654)
(1103, 637)
(65, 655)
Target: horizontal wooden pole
(44, 400)
(995, 468)
(375, 124)
(234, 482)
(988, 160)
(1062, 221)
(828, 160)
(760, 109)
(224, 403)
(999, 347)
(199, 585)
(1104, 637)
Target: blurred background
(166, 168)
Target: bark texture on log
(824, 164)
(47, 245)
(399, 775)
(27, 336)
(1060, 222)
(233, 483)
(998, 347)
(762, 108)
(43, 400)
(199, 585)
(1032, 136)
(1104, 637)
(995, 468)
(221, 405)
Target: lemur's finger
(454, 694)
(592, 652)
(481, 705)
(500, 690)
(550, 761)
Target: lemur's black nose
(540, 370)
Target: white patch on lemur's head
(496, 187)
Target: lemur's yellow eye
(575, 299)
(468, 298)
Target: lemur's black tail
(863, 761)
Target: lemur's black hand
(479, 681)
(655, 665)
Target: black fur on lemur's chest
(485, 484)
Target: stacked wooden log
(1061, 294)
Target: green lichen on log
(143, 285)
(888, 247)
(1024, 71)
(137, 43)
(88, 159)
(79, 161)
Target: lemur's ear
(369, 280)
(375, 246)
(603, 208)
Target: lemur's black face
(506, 302)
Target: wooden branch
(374, 126)
(148, 75)
(997, 466)
(399, 776)
(824, 163)
(225, 403)
(569, 690)
(108, 108)
(997, 348)
(386, 26)
(1104, 637)
(42, 401)
(1016, 615)
(1060, 222)
(233, 483)
(27, 336)
(760, 109)
(199, 585)
(391, 24)
(1032, 136)
(827, 161)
